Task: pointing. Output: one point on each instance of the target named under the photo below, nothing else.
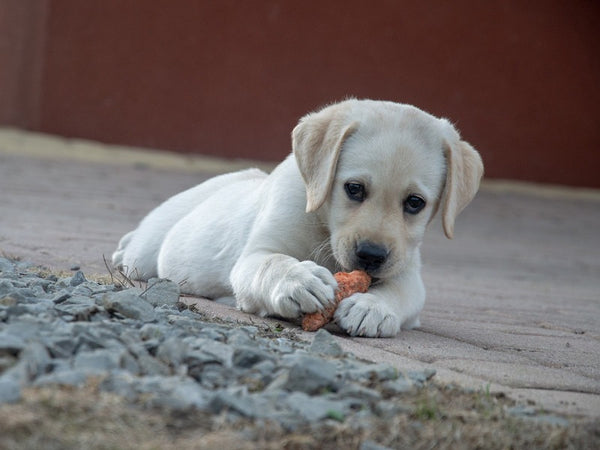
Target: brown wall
(231, 78)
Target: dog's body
(364, 180)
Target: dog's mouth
(375, 280)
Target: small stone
(129, 304)
(6, 362)
(80, 307)
(161, 292)
(184, 395)
(313, 409)
(6, 288)
(152, 331)
(521, 411)
(152, 366)
(121, 383)
(62, 378)
(6, 267)
(245, 357)
(209, 350)
(239, 337)
(360, 392)
(105, 360)
(61, 346)
(172, 351)
(36, 358)
(10, 344)
(10, 390)
(77, 279)
(325, 344)
(387, 408)
(311, 375)
(421, 376)
(378, 372)
(242, 405)
(398, 386)
(61, 296)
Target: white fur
(273, 241)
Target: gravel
(145, 346)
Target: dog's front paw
(305, 288)
(363, 315)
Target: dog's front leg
(388, 306)
(275, 284)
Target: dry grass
(436, 417)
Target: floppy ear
(464, 170)
(317, 141)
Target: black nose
(370, 256)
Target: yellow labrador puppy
(364, 180)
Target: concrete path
(513, 301)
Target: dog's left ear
(464, 169)
(317, 142)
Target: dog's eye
(414, 204)
(355, 191)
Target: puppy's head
(377, 172)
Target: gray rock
(172, 351)
(153, 331)
(311, 375)
(374, 372)
(313, 409)
(92, 288)
(388, 408)
(242, 405)
(245, 356)
(12, 298)
(210, 375)
(521, 411)
(240, 337)
(61, 296)
(77, 279)
(151, 366)
(209, 350)
(421, 376)
(359, 392)
(6, 267)
(325, 344)
(398, 386)
(121, 383)
(6, 288)
(129, 304)
(11, 344)
(186, 394)
(161, 292)
(62, 378)
(10, 390)
(36, 358)
(78, 306)
(104, 360)
(7, 361)
(61, 346)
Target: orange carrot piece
(348, 284)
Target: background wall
(231, 78)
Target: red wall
(231, 78)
